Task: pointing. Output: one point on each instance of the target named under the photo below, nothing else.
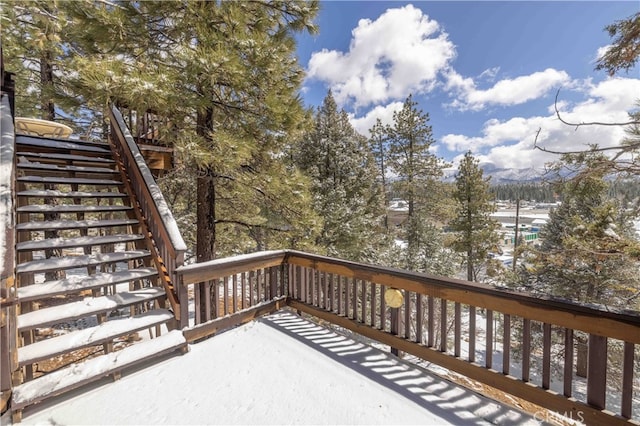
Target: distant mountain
(503, 175)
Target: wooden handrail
(156, 215)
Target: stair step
(102, 333)
(79, 283)
(84, 308)
(68, 180)
(62, 144)
(76, 284)
(65, 157)
(62, 243)
(64, 169)
(73, 224)
(93, 369)
(52, 193)
(83, 261)
(71, 208)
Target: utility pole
(515, 240)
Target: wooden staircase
(88, 289)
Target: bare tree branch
(592, 123)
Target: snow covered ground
(277, 370)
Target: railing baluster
(273, 278)
(472, 333)
(364, 301)
(418, 318)
(526, 349)
(627, 381)
(489, 340)
(234, 283)
(225, 294)
(546, 355)
(597, 371)
(354, 298)
(313, 286)
(252, 280)
(214, 298)
(457, 325)
(506, 343)
(443, 325)
(383, 308)
(243, 284)
(431, 323)
(340, 295)
(568, 362)
(372, 306)
(407, 314)
(325, 286)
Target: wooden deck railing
(157, 217)
(231, 291)
(522, 345)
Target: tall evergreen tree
(589, 252)
(418, 173)
(475, 230)
(378, 142)
(347, 196)
(225, 75)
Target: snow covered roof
(280, 369)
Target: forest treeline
(625, 190)
(256, 169)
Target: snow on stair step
(83, 308)
(104, 332)
(71, 208)
(78, 374)
(73, 224)
(60, 243)
(65, 157)
(78, 283)
(54, 168)
(68, 180)
(70, 262)
(51, 193)
(62, 144)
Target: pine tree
(346, 195)
(589, 252)
(418, 177)
(226, 76)
(475, 231)
(378, 142)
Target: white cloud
(505, 92)
(384, 113)
(602, 51)
(401, 52)
(510, 143)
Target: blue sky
(486, 72)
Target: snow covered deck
(280, 369)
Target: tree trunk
(205, 213)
